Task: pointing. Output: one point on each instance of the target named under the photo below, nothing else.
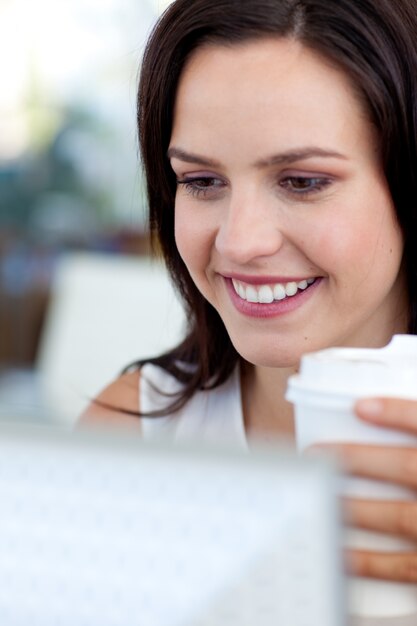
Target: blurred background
(73, 242)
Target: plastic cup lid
(388, 371)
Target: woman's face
(282, 215)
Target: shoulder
(117, 404)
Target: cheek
(192, 238)
(184, 239)
(334, 246)
(358, 247)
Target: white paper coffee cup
(324, 393)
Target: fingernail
(370, 408)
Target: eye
(201, 186)
(304, 185)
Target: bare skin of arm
(123, 395)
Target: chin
(270, 355)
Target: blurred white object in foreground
(104, 529)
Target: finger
(397, 465)
(391, 412)
(392, 517)
(394, 566)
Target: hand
(397, 465)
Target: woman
(279, 144)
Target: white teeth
(251, 294)
(279, 292)
(239, 288)
(291, 289)
(266, 294)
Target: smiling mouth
(265, 294)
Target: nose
(250, 228)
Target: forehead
(259, 83)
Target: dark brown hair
(373, 41)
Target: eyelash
(205, 186)
(198, 187)
(318, 184)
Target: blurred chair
(105, 312)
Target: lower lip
(275, 308)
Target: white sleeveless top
(209, 416)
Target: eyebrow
(288, 157)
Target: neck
(267, 414)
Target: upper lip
(266, 280)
